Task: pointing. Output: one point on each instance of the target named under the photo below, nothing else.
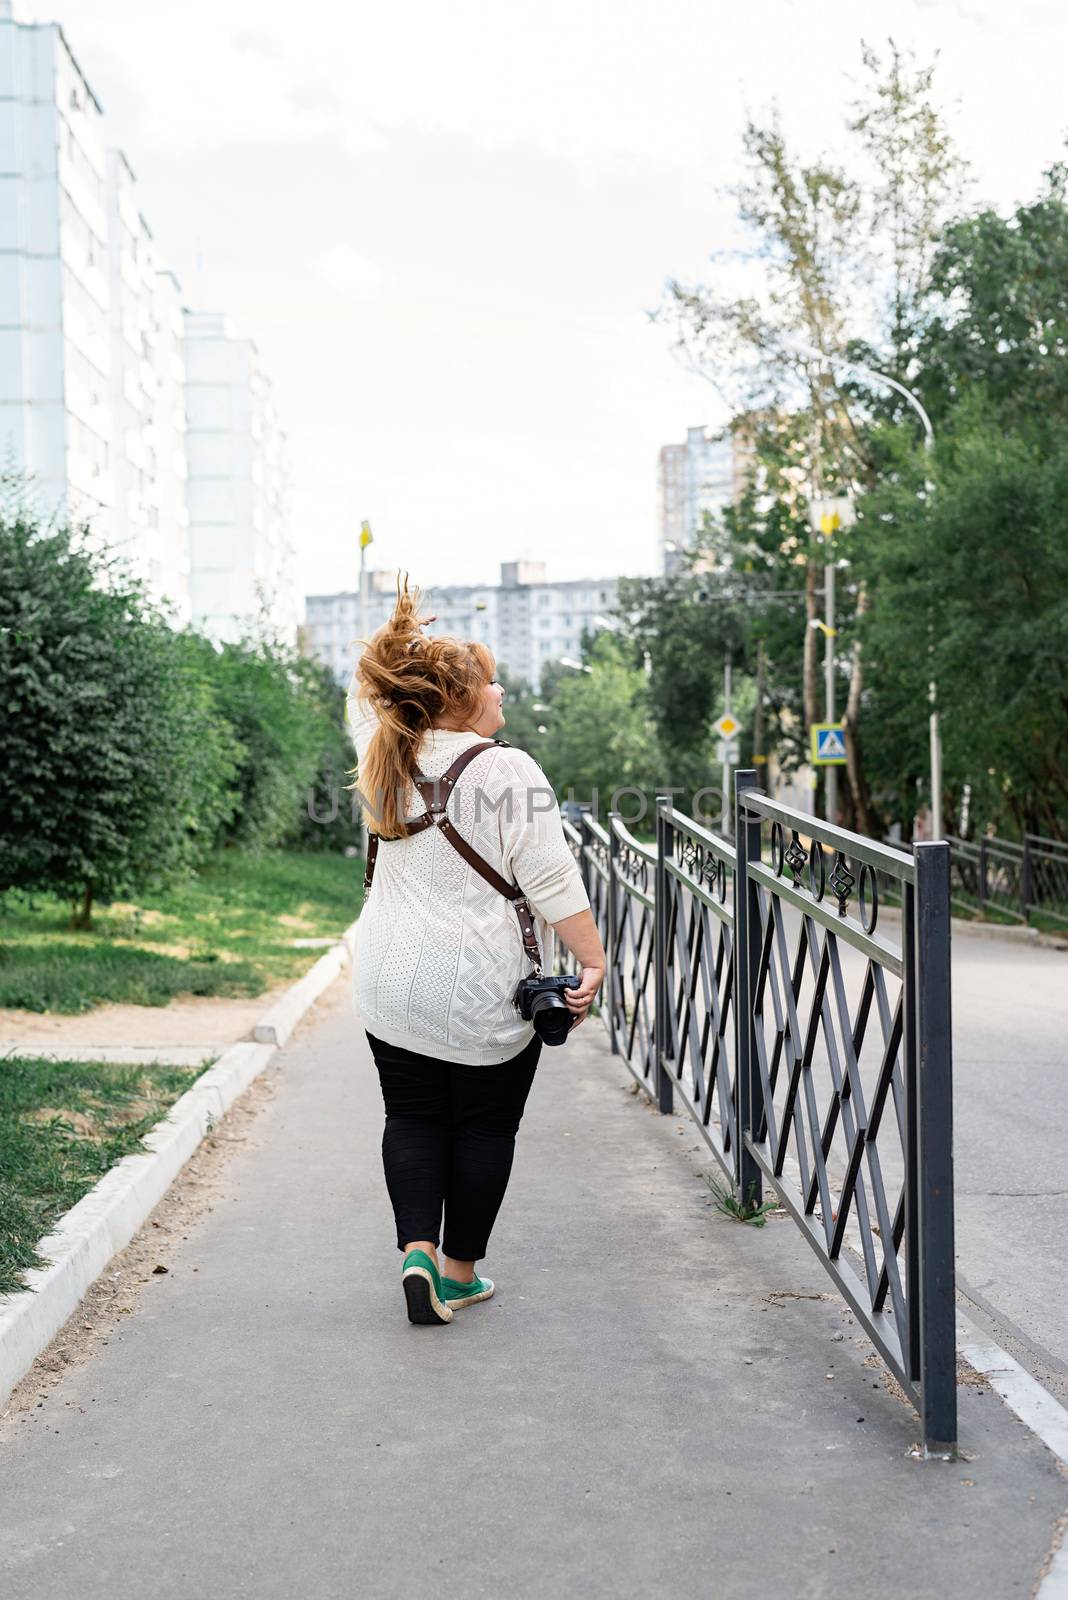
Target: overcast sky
(443, 224)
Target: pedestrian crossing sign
(828, 744)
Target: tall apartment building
(526, 620)
(55, 334)
(94, 401)
(241, 562)
(693, 478)
(150, 520)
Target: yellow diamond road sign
(727, 726)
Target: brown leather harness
(435, 793)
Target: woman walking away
(468, 880)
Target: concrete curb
(123, 1055)
(105, 1220)
(278, 1023)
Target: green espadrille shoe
(421, 1282)
(465, 1294)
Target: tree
(117, 769)
(522, 720)
(998, 323)
(600, 733)
(973, 539)
(262, 692)
(327, 814)
(843, 268)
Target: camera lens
(551, 1018)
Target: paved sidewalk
(643, 1409)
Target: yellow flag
(366, 536)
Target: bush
(117, 768)
(133, 750)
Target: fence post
(584, 865)
(1025, 879)
(984, 872)
(746, 961)
(665, 1089)
(613, 938)
(938, 1374)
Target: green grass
(1051, 922)
(62, 1125)
(222, 933)
(731, 1206)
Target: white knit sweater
(438, 951)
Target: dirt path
(191, 1020)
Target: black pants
(448, 1142)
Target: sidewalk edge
(104, 1221)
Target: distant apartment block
(526, 620)
(150, 517)
(693, 478)
(240, 557)
(56, 419)
(94, 404)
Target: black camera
(538, 1000)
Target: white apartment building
(332, 626)
(56, 423)
(692, 478)
(526, 620)
(94, 402)
(241, 561)
(150, 519)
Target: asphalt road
(1010, 1058)
(1010, 1125)
(654, 1402)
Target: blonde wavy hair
(411, 681)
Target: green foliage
(522, 719)
(686, 639)
(257, 692)
(600, 733)
(749, 1210)
(956, 568)
(328, 814)
(984, 558)
(116, 767)
(981, 558)
(999, 323)
(132, 750)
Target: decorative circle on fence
(721, 882)
(816, 878)
(778, 848)
(868, 898)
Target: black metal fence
(1013, 878)
(753, 984)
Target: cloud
(346, 269)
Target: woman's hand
(579, 1000)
